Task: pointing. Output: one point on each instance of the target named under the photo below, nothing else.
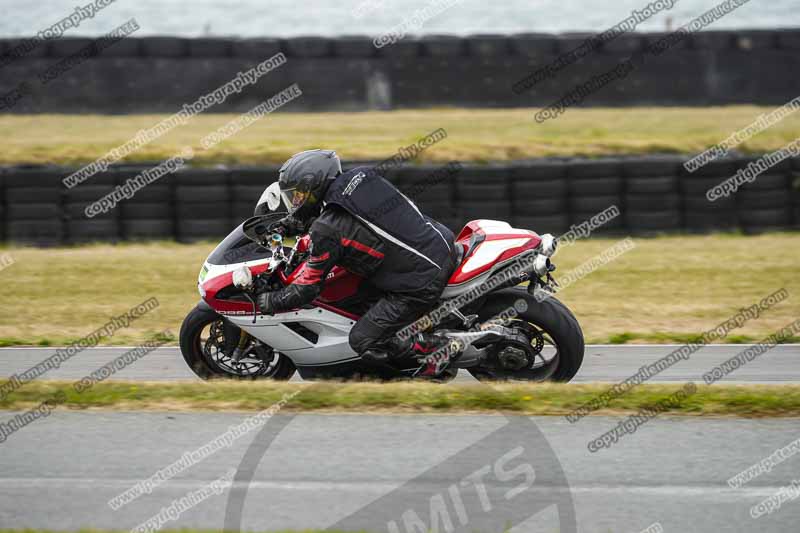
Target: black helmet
(304, 179)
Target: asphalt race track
(601, 363)
(400, 473)
(365, 470)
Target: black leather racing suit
(370, 228)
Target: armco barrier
(654, 194)
(160, 74)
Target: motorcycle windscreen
(237, 248)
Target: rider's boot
(422, 347)
(386, 351)
(434, 352)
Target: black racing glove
(288, 226)
(264, 305)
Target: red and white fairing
(500, 244)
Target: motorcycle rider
(361, 222)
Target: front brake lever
(255, 306)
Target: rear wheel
(549, 346)
(207, 344)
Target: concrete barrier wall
(653, 195)
(160, 74)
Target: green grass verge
(529, 399)
(476, 135)
(666, 289)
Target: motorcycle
(496, 328)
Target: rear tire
(550, 316)
(200, 362)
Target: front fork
(240, 351)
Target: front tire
(553, 320)
(210, 363)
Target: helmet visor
(294, 198)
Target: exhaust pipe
(541, 265)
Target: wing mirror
(270, 200)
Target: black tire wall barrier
(160, 74)
(654, 195)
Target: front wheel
(207, 343)
(549, 345)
